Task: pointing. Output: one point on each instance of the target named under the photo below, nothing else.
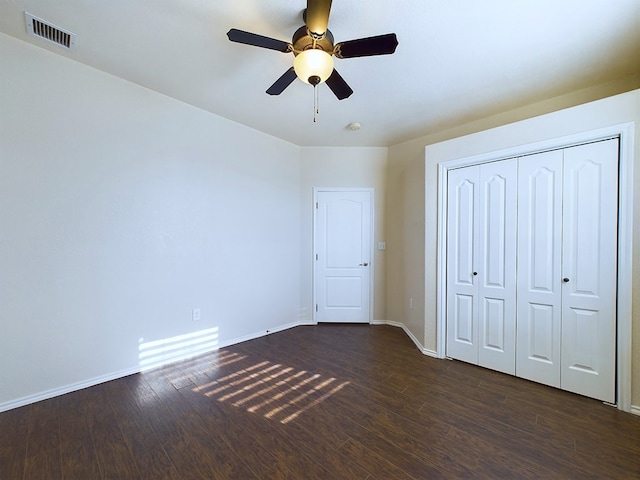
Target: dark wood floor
(332, 401)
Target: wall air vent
(36, 27)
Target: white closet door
(481, 244)
(590, 216)
(497, 270)
(462, 254)
(539, 282)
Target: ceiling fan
(314, 49)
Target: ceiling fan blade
(283, 82)
(248, 38)
(338, 86)
(366, 47)
(317, 17)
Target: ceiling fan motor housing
(303, 41)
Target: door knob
(365, 264)
(565, 280)
(475, 273)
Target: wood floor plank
(194, 452)
(369, 460)
(146, 449)
(14, 426)
(112, 451)
(494, 460)
(354, 402)
(287, 452)
(232, 430)
(77, 452)
(321, 440)
(43, 444)
(548, 454)
(496, 413)
(406, 445)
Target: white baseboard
(21, 402)
(425, 351)
(259, 334)
(635, 410)
(431, 353)
(38, 397)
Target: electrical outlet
(382, 245)
(411, 304)
(196, 314)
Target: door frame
(625, 132)
(371, 192)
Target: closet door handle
(565, 280)
(475, 273)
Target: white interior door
(481, 269)
(462, 254)
(497, 270)
(343, 251)
(590, 214)
(539, 283)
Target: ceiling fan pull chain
(315, 104)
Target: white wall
(122, 210)
(347, 168)
(591, 116)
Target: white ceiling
(457, 60)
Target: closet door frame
(625, 239)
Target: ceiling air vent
(42, 29)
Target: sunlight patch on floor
(272, 390)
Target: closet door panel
(589, 269)
(539, 335)
(462, 253)
(538, 338)
(497, 269)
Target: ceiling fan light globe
(313, 63)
